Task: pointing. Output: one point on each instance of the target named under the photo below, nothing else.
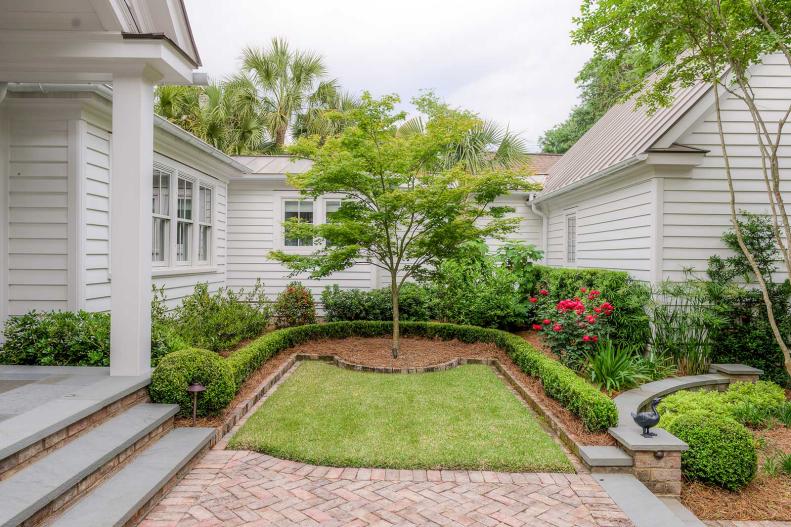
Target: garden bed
(766, 498)
(463, 418)
(375, 351)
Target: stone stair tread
(605, 456)
(38, 484)
(21, 431)
(684, 514)
(117, 500)
(640, 504)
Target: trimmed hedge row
(595, 409)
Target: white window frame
(171, 266)
(298, 249)
(165, 217)
(205, 223)
(570, 238)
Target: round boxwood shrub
(721, 451)
(177, 370)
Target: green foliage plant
(721, 451)
(614, 369)
(416, 304)
(294, 306)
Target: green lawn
(463, 418)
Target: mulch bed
(767, 498)
(416, 352)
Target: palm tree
(289, 83)
(485, 146)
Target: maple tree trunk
(396, 329)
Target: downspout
(544, 225)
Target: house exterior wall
(255, 228)
(613, 225)
(696, 210)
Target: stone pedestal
(659, 471)
(737, 372)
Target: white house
(99, 198)
(648, 194)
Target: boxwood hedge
(594, 408)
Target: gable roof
(623, 133)
(277, 165)
(542, 162)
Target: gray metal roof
(275, 165)
(624, 132)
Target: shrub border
(597, 411)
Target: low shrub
(596, 410)
(415, 304)
(176, 371)
(219, 321)
(721, 451)
(752, 404)
(294, 306)
(57, 338)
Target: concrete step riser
(41, 448)
(43, 516)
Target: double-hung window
(302, 210)
(204, 223)
(571, 238)
(184, 220)
(160, 236)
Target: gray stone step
(117, 500)
(35, 486)
(684, 514)
(605, 456)
(639, 503)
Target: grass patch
(463, 418)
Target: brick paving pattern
(232, 488)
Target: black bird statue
(647, 420)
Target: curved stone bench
(657, 460)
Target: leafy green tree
(289, 83)
(716, 42)
(602, 81)
(405, 208)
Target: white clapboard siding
(696, 208)
(37, 215)
(613, 227)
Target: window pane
(332, 207)
(571, 238)
(185, 200)
(205, 205)
(303, 210)
(183, 240)
(161, 228)
(205, 243)
(161, 193)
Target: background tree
(717, 42)
(225, 115)
(289, 83)
(602, 82)
(405, 207)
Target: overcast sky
(511, 61)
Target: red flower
(557, 327)
(586, 338)
(543, 292)
(537, 327)
(597, 309)
(547, 322)
(533, 300)
(595, 338)
(583, 290)
(591, 319)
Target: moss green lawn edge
(465, 418)
(595, 409)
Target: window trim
(570, 238)
(171, 266)
(166, 217)
(203, 223)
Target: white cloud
(509, 60)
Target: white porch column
(130, 224)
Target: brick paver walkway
(232, 488)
